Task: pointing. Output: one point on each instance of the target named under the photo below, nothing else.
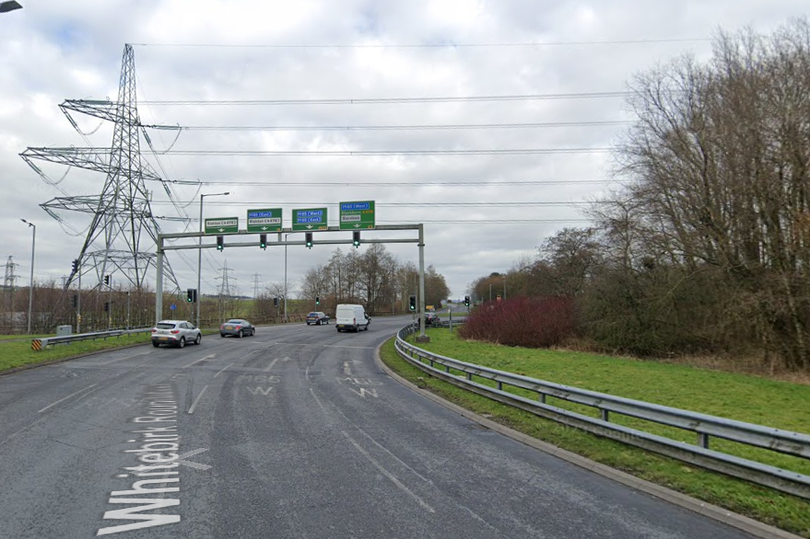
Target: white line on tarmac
(194, 404)
(66, 398)
(201, 359)
(123, 358)
(318, 401)
(267, 369)
(223, 368)
(388, 474)
(327, 345)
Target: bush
(528, 322)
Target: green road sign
(311, 219)
(356, 215)
(222, 225)
(267, 220)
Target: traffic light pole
(421, 245)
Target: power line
(437, 127)
(384, 100)
(441, 45)
(399, 204)
(357, 153)
(394, 184)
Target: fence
(704, 426)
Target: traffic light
(74, 301)
(220, 243)
(467, 301)
(308, 239)
(106, 306)
(356, 238)
(190, 295)
(412, 303)
(263, 241)
(317, 300)
(275, 302)
(75, 265)
(107, 280)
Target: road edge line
(714, 512)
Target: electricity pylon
(122, 213)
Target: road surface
(293, 433)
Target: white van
(350, 317)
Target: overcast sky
(328, 50)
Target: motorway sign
(311, 219)
(267, 220)
(356, 215)
(222, 225)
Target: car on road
(432, 319)
(351, 317)
(175, 333)
(317, 318)
(237, 327)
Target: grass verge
(19, 353)
(624, 377)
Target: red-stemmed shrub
(528, 322)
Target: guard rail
(705, 426)
(39, 344)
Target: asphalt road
(292, 433)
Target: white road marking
(123, 358)
(388, 474)
(194, 404)
(363, 391)
(256, 390)
(347, 368)
(201, 359)
(326, 345)
(267, 369)
(66, 398)
(223, 368)
(375, 442)
(317, 400)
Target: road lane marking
(327, 345)
(202, 359)
(317, 400)
(194, 404)
(66, 398)
(123, 358)
(347, 368)
(388, 474)
(363, 391)
(267, 369)
(378, 444)
(223, 368)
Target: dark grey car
(237, 327)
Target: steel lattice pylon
(122, 212)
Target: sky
(375, 64)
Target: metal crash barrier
(704, 426)
(40, 344)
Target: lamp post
(199, 250)
(31, 286)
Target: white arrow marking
(309, 226)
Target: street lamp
(31, 287)
(199, 250)
(9, 5)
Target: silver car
(176, 333)
(237, 327)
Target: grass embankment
(745, 398)
(19, 353)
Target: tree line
(707, 248)
(374, 279)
